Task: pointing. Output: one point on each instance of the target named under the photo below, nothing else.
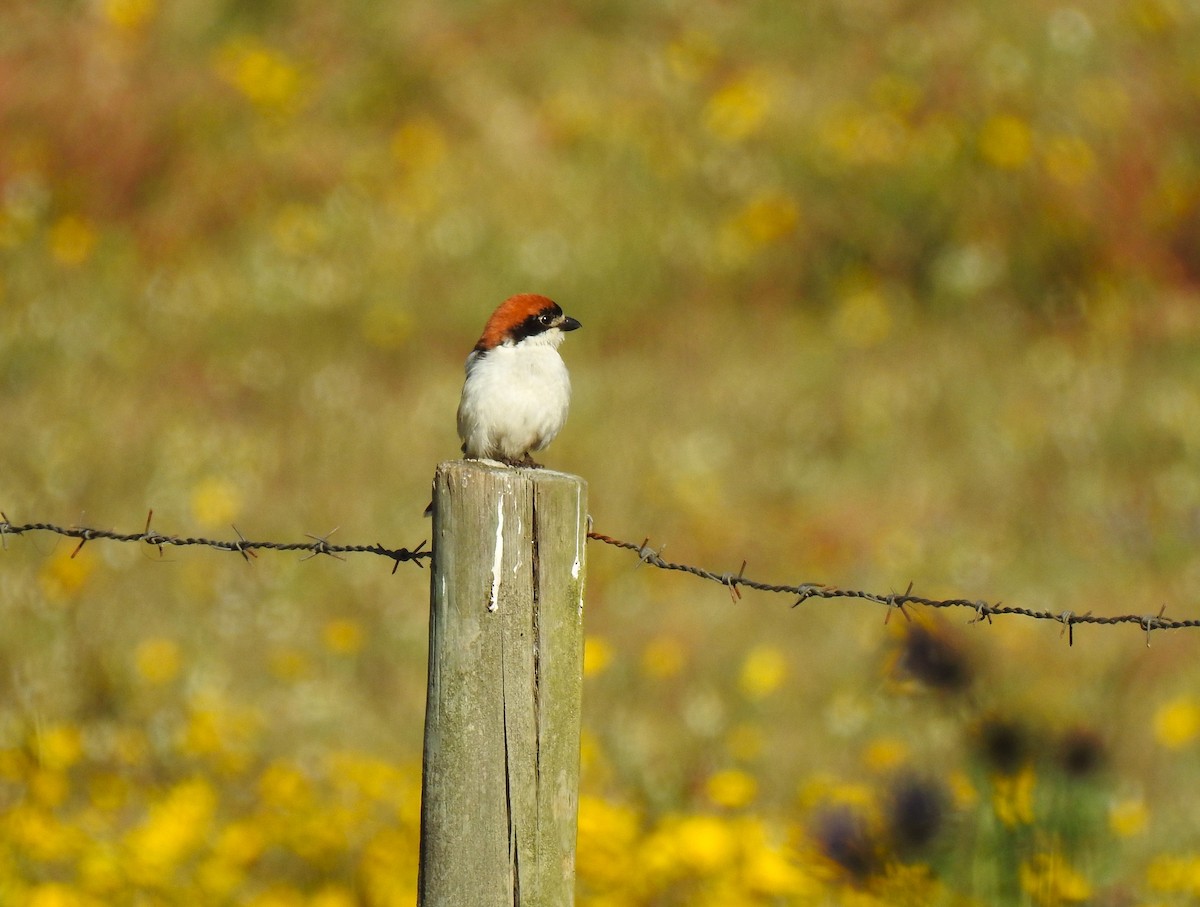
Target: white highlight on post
(494, 601)
(581, 518)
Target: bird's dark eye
(547, 320)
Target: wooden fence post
(500, 789)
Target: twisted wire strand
(983, 610)
(734, 582)
(247, 548)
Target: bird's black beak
(568, 324)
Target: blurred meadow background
(872, 291)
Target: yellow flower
(704, 844)
(319, 836)
(56, 894)
(1129, 817)
(824, 789)
(1069, 159)
(1012, 797)
(419, 143)
(387, 869)
(333, 896)
(376, 780)
(854, 136)
(176, 826)
(41, 835)
(277, 895)
(1174, 875)
(737, 110)
(862, 319)
(63, 575)
(14, 764)
(216, 502)
(218, 879)
(60, 747)
(731, 788)
(663, 657)
(343, 636)
(100, 870)
(49, 787)
(202, 735)
(220, 732)
(1177, 722)
(909, 886)
(158, 660)
(608, 834)
(1157, 16)
(72, 239)
(265, 77)
(1006, 141)
(762, 672)
(129, 15)
(766, 219)
(284, 786)
(770, 873)
(597, 654)
(288, 664)
(884, 754)
(1049, 880)
(962, 791)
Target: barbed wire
(984, 610)
(247, 548)
(734, 582)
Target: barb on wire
(322, 545)
(892, 601)
(241, 545)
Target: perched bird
(515, 398)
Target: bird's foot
(524, 461)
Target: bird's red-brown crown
(514, 311)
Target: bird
(517, 390)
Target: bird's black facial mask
(547, 319)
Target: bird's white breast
(514, 400)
